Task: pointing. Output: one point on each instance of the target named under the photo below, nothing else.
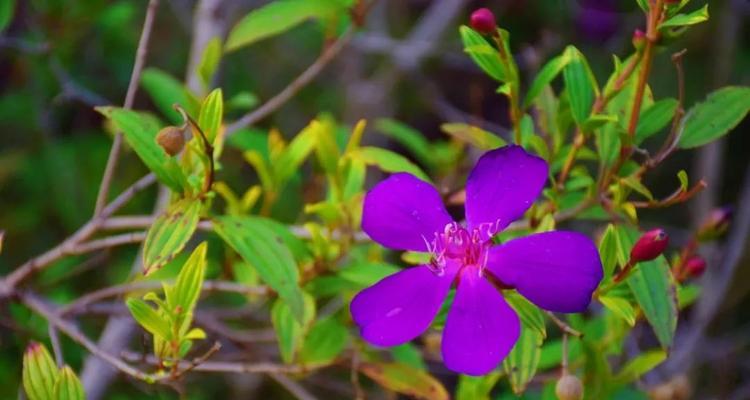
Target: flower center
(459, 246)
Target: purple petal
(557, 271)
(401, 306)
(481, 328)
(402, 212)
(502, 186)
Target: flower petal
(481, 328)
(402, 212)
(557, 271)
(401, 306)
(502, 186)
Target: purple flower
(557, 271)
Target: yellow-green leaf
(695, 17)
(169, 233)
(388, 161)
(483, 54)
(149, 318)
(211, 114)
(264, 250)
(209, 61)
(530, 315)
(640, 365)
(68, 386)
(620, 307)
(476, 387)
(39, 373)
(545, 76)
(475, 136)
(187, 287)
(406, 380)
(522, 362)
(166, 91)
(326, 340)
(579, 84)
(290, 331)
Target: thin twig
(224, 366)
(54, 339)
(298, 83)
(135, 77)
(293, 387)
(562, 325)
(111, 241)
(199, 360)
(117, 290)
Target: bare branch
(293, 387)
(135, 77)
(111, 241)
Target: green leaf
(653, 286)
(7, 7)
(209, 61)
(290, 331)
(140, 133)
(166, 91)
(408, 354)
(692, 18)
(263, 249)
(388, 161)
(643, 4)
(366, 274)
(579, 84)
(530, 315)
(620, 307)
(640, 365)
(545, 76)
(211, 114)
(187, 287)
(275, 18)
(683, 177)
(635, 184)
(406, 380)
(654, 118)
(149, 318)
(292, 157)
(39, 373)
(473, 135)
(410, 138)
(326, 148)
(476, 387)
(715, 117)
(326, 340)
(68, 386)
(483, 54)
(687, 294)
(522, 362)
(608, 250)
(169, 233)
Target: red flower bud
(650, 245)
(639, 39)
(483, 21)
(695, 266)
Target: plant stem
(514, 112)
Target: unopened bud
(695, 266)
(171, 139)
(681, 387)
(483, 21)
(661, 392)
(716, 224)
(639, 39)
(569, 387)
(650, 245)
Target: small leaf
(530, 315)
(687, 294)
(149, 318)
(169, 233)
(715, 117)
(39, 373)
(473, 135)
(545, 76)
(683, 177)
(187, 287)
(275, 18)
(166, 91)
(68, 386)
(620, 307)
(264, 250)
(522, 362)
(476, 387)
(406, 380)
(7, 7)
(654, 118)
(209, 61)
(211, 114)
(140, 133)
(326, 148)
(640, 365)
(326, 340)
(289, 330)
(608, 250)
(292, 157)
(652, 285)
(195, 334)
(366, 274)
(483, 54)
(579, 84)
(635, 184)
(408, 354)
(692, 18)
(388, 161)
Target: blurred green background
(59, 58)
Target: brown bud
(681, 387)
(661, 392)
(171, 139)
(569, 387)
